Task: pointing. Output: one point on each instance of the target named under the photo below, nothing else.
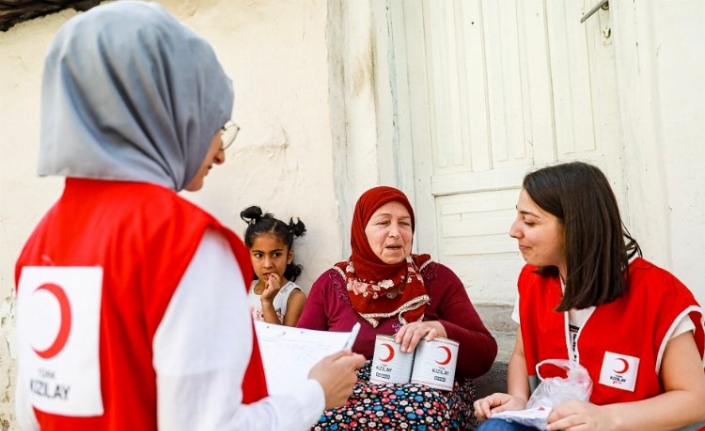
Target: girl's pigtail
(298, 228)
(251, 215)
(292, 271)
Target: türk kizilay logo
(58, 327)
(46, 386)
(62, 335)
(448, 355)
(390, 354)
(619, 371)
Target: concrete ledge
(497, 318)
(493, 381)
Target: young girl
(587, 295)
(274, 297)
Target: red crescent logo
(448, 356)
(390, 356)
(65, 327)
(625, 364)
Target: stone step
(497, 318)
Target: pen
(353, 336)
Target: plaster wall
(23, 197)
(680, 66)
(659, 66)
(286, 62)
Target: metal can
(389, 363)
(434, 363)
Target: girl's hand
(271, 288)
(410, 334)
(496, 403)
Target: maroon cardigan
(328, 308)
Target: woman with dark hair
(587, 295)
(274, 297)
(390, 291)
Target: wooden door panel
(501, 87)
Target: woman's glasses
(228, 134)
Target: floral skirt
(402, 407)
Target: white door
(497, 88)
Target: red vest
(635, 325)
(143, 236)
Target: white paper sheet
(535, 417)
(289, 353)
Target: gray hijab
(129, 93)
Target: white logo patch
(619, 371)
(58, 318)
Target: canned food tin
(434, 364)
(389, 363)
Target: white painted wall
(660, 67)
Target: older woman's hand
(410, 334)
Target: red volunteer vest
(634, 326)
(143, 236)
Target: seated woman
(587, 295)
(393, 292)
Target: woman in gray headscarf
(132, 310)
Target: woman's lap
(402, 407)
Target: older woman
(391, 291)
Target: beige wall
(23, 198)
(290, 92)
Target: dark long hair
(261, 223)
(597, 244)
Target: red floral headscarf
(376, 289)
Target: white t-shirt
(280, 301)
